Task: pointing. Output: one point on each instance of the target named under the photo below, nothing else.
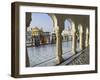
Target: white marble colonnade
(58, 32)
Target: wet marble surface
(44, 55)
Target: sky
(44, 21)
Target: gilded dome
(36, 29)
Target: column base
(59, 60)
(74, 52)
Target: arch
(67, 24)
(42, 20)
(71, 32)
(54, 19)
(56, 31)
(67, 30)
(58, 39)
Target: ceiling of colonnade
(77, 19)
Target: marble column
(58, 46)
(81, 37)
(28, 20)
(73, 38)
(87, 38)
(58, 39)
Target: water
(44, 53)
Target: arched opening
(70, 36)
(42, 38)
(80, 36)
(67, 36)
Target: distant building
(39, 37)
(36, 31)
(66, 34)
(53, 38)
(46, 37)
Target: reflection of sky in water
(45, 52)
